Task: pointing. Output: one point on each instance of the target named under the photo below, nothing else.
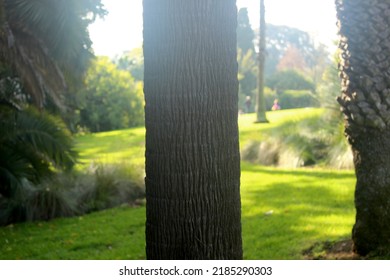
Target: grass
(120, 146)
(250, 131)
(111, 234)
(286, 211)
(283, 211)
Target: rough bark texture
(365, 101)
(371, 232)
(192, 152)
(260, 101)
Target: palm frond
(32, 145)
(41, 75)
(43, 39)
(48, 135)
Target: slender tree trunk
(192, 151)
(365, 101)
(260, 102)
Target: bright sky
(121, 30)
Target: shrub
(290, 99)
(317, 140)
(33, 146)
(111, 98)
(269, 96)
(50, 200)
(13, 209)
(289, 80)
(108, 186)
(264, 153)
(71, 194)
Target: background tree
(132, 61)
(247, 70)
(365, 101)
(245, 34)
(260, 101)
(111, 98)
(192, 150)
(246, 59)
(281, 38)
(289, 80)
(292, 59)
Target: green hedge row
(290, 99)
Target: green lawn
(120, 146)
(286, 211)
(283, 211)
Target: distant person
(248, 103)
(276, 105)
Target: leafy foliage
(133, 62)
(330, 86)
(112, 100)
(292, 59)
(280, 39)
(47, 43)
(289, 79)
(290, 99)
(33, 145)
(71, 194)
(108, 186)
(247, 70)
(245, 34)
(246, 58)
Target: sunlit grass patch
(284, 211)
(111, 234)
(119, 147)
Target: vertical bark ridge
(192, 153)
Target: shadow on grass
(285, 211)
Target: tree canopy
(111, 99)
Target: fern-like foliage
(33, 145)
(46, 42)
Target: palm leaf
(32, 145)
(43, 39)
(48, 135)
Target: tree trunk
(192, 150)
(260, 102)
(365, 101)
(371, 231)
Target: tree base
(371, 231)
(262, 121)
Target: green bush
(72, 194)
(269, 96)
(33, 146)
(111, 98)
(289, 80)
(290, 99)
